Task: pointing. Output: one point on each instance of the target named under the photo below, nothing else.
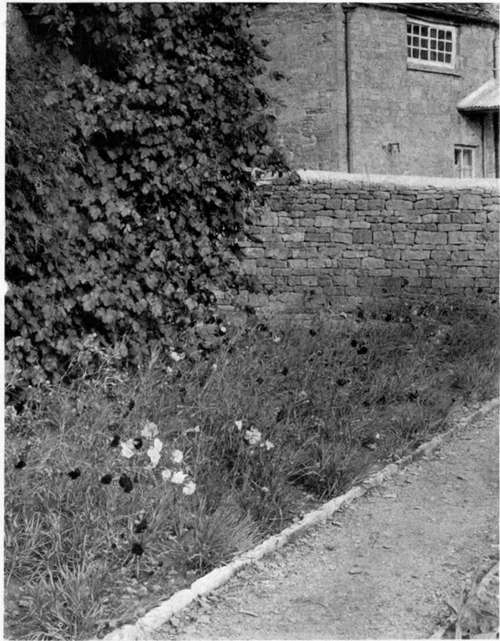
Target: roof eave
(420, 9)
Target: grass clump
(134, 482)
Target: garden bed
(122, 487)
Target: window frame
(460, 165)
(438, 26)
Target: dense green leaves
(129, 156)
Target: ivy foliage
(130, 148)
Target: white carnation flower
(149, 430)
(177, 456)
(178, 478)
(253, 436)
(154, 452)
(128, 448)
(189, 488)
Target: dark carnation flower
(137, 549)
(115, 441)
(363, 349)
(74, 474)
(341, 382)
(354, 342)
(138, 443)
(141, 526)
(260, 380)
(125, 483)
(20, 464)
(106, 479)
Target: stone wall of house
(395, 100)
(334, 240)
(392, 100)
(305, 79)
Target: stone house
(384, 88)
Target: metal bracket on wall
(392, 147)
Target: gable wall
(306, 46)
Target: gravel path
(384, 568)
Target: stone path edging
(155, 618)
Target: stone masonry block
(360, 224)
(494, 216)
(470, 201)
(342, 237)
(354, 253)
(372, 263)
(323, 221)
(319, 263)
(425, 203)
(461, 237)
(341, 224)
(362, 236)
(362, 203)
(472, 227)
(397, 205)
(431, 218)
(463, 217)
(267, 219)
(430, 237)
(311, 281)
(415, 254)
(311, 206)
(305, 251)
(277, 252)
(254, 252)
(297, 263)
(345, 278)
(333, 203)
(389, 253)
(448, 202)
(294, 237)
(404, 237)
(317, 237)
(383, 237)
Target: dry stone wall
(332, 240)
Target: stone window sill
(411, 66)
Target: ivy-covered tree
(130, 151)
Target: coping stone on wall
(333, 177)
